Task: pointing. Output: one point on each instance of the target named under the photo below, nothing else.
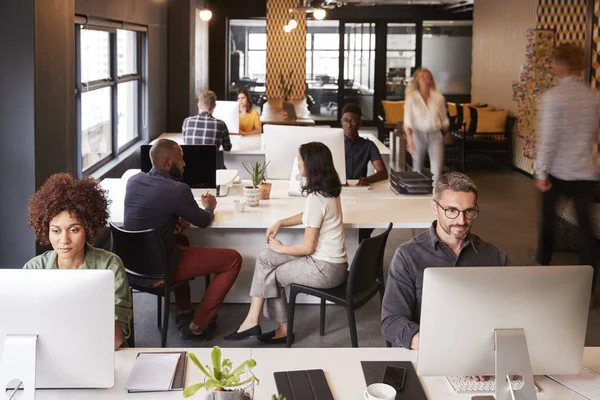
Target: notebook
(303, 385)
(157, 372)
(373, 372)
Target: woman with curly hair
(69, 214)
(319, 261)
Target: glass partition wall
(401, 59)
(248, 57)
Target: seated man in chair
(447, 243)
(157, 200)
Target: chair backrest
(142, 252)
(366, 270)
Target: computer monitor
(228, 112)
(200, 170)
(466, 309)
(282, 143)
(72, 312)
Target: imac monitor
(200, 170)
(282, 143)
(463, 307)
(72, 312)
(228, 112)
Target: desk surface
(254, 144)
(374, 208)
(341, 365)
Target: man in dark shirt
(447, 243)
(206, 129)
(360, 151)
(157, 200)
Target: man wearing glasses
(360, 151)
(447, 243)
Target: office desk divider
(373, 372)
(303, 385)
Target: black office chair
(144, 256)
(365, 280)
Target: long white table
(245, 232)
(251, 149)
(341, 366)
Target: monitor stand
(18, 364)
(512, 358)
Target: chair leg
(158, 311)
(165, 325)
(322, 325)
(291, 309)
(206, 281)
(352, 326)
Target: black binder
(303, 385)
(373, 372)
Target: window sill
(105, 170)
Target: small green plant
(286, 86)
(257, 172)
(221, 376)
(278, 397)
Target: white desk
(341, 365)
(250, 149)
(245, 232)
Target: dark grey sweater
(401, 311)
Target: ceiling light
(205, 15)
(319, 13)
(287, 29)
(292, 24)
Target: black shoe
(267, 338)
(185, 318)
(255, 331)
(207, 334)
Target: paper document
(152, 372)
(586, 383)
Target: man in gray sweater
(565, 163)
(447, 243)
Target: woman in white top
(319, 261)
(424, 117)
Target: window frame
(113, 83)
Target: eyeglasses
(453, 213)
(350, 121)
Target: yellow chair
(394, 111)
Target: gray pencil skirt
(274, 271)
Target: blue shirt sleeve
(374, 154)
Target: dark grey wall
(17, 155)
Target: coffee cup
(380, 391)
(239, 205)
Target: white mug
(239, 205)
(380, 391)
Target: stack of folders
(410, 182)
(157, 372)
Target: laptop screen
(200, 170)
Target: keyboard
(466, 385)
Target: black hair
(352, 109)
(321, 176)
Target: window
(447, 49)
(401, 58)
(108, 93)
(248, 57)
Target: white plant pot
(252, 196)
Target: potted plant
(286, 89)
(278, 397)
(252, 194)
(222, 381)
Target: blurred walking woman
(424, 117)
(69, 214)
(319, 261)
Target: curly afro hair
(83, 199)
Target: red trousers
(225, 264)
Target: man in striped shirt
(206, 129)
(565, 164)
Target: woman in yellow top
(249, 119)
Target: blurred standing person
(425, 116)
(564, 162)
